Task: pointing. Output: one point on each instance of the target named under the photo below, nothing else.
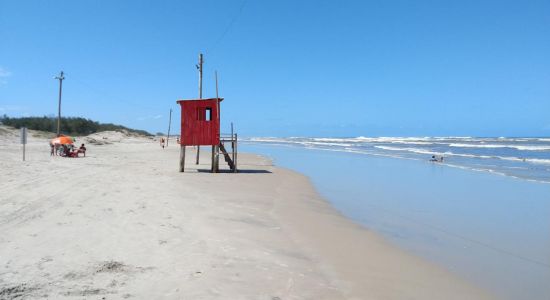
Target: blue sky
(286, 68)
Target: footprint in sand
(197, 274)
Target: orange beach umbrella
(62, 140)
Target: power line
(243, 4)
(108, 96)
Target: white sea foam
(414, 150)
(532, 148)
(476, 145)
(412, 142)
(519, 147)
(449, 153)
(420, 148)
(387, 139)
(299, 141)
(265, 139)
(453, 141)
(336, 140)
(273, 140)
(404, 140)
(352, 142)
(539, 161)
(325, 144)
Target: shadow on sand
(245, 171)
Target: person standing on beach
(82, 149)
(162, 142)
(52, 149)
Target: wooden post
(169, 123)
(232, 144)
(182, 158)
(235, 160)
(23, 139)
(200, 97)
(213, 166)
(217, 159)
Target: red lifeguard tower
(200, 126)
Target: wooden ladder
(227, 157)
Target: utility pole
(217, 97)
(216, 148)
(200, 75)
(169, 123)
(60, 78)
(199, 66)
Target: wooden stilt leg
(198, 154)
(236, 152)
(213, 165)
(182, 158)
(217, 158)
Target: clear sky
(286, 68)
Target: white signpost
(23, 139)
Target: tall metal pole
(169, 124)
(200, 97)
(60, 78)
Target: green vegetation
(70, 125)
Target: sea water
(483, 213)
(527, 158)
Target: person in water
(436, 159)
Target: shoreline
(341, 244)
(460, 220)
(130, 225)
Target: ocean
(483, 213)
(526, 158)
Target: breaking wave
(518, 147)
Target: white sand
(124, 223)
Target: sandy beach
(124, 223)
